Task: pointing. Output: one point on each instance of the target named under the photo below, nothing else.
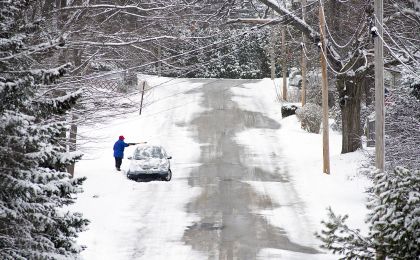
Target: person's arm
(137, 143)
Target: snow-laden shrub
(313, 87)
(288, 110)
(394, 221)
(310, 117)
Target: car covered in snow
(149, 161)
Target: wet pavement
(229, 227)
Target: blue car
(149, 162)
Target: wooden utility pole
(284, 63)
(272, 57)
(303, 61)
(72, 143)
(379, 89)
(142, 95)
(325, 135)
(159, 61)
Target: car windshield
(149, 152)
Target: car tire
(130, 177)
(168, 177)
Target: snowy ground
(146, 220)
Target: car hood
(149, 164)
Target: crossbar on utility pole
(325, 127)
(379, 89)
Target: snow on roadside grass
(300, 154)
(138, 220)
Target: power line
(392, 39)
(332, 38)
(333, 70)
(396, 56)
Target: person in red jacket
(119, 147)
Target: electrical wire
(330, 34)
(396, 56)
(306, 51)
(392, 39)
(333, 70)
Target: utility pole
(142, 95)
(325, 134)
(160, 60)
(379, 89)
(272, 57)
(72, 142)
(284, 63)
(303, 58)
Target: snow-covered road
(230, 226)
(232, 195)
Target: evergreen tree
(394, 221)
(34, 185)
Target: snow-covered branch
(301, 25)
(254, 21)
(304, 27)
(92, 43)
(116, 7)
(35, 49)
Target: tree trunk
(350, 95)
(367, 84)
(380, 255)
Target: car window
(149, 152)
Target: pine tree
(34, 185)
(394, 221)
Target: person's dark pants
(118, 162)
